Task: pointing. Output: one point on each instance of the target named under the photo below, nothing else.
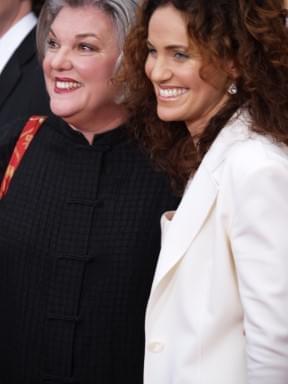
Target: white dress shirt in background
(11, 40)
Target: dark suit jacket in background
(22, 88)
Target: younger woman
(214, 101)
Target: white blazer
(218, 308)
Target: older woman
(79, 222)
(214, 84)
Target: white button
(155, 347)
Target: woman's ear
(232, 69)
(232, 76)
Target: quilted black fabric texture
(79, 240)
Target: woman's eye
(86, 47)
(181, 55)
(52, 43)
(151, 51)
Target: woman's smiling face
(82, 50)
(174, 70)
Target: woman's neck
(100, 124)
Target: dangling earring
(232, 89)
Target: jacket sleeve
(259, 241)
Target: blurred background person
(209, 79)
(22, 89)
(80, 222)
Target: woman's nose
(61, 59)
(160, 71)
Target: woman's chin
(61, 111)
(167, 117)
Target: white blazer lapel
(187, 221)
(198, 199)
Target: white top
(11, 40)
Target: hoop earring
(232, 89)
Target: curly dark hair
(252, 34)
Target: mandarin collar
(108, 138)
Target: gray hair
(122, 13)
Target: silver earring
(232, 89)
